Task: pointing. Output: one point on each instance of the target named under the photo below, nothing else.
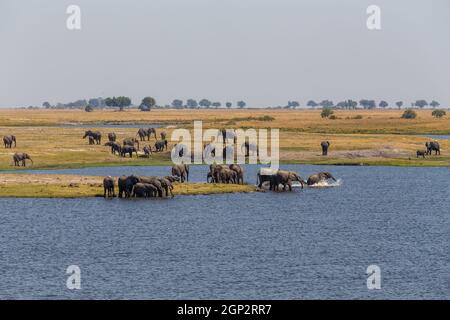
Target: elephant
(154, 181)
(131, 142)
(421, 153)
(285, 178)
(181, 171)
(228, 176)
(96, 135)
(325, 145)
(163, 135)
(112, 137)
(321, 176)
(144, 190)
(160, 145)
(142, 133)
(250, 147)
(239, 173)
(151, 131)
(21, 157)
(8, 141)
(126, 185)
(115, 147)
(214, 172)
(91, 140)
(433, 146)
(147, 151)
(108, 187)
(128, 150)
(172, 179)
(167, 186)
(265, 175)
(227, 135)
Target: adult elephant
(96, 135)
(166, 184)
(128, 150)
(144, 190)
(142, 133)
(265, 175)
(228, 176)
(112, 137)
(325, 145)
(147, 151)
(433, 146)
(318, 177)
(151, 131)
(160, 145)
(20, 158)
(239, 173)
(108, 187)
(155, 182)
(163, 135)
(126, 184)
(285, 178)
(181, 171)
(131, 142)
(9, 140)
(214, 172)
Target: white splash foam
(327, 184)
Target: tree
(241, 104)
(293, 104)
(191, 103)
(368, 104)
(326, 104)
(148, 103)
(383, 104)
(88, 108)
(177, 104)
(205, 103)
(228, 105)
(434, 104)
(438, 113)
(399, 104)
(96, 102)
(342, 105)
(46, 105)
(421, 103)
(326, 112)
(216, 104)
(409, 114)
(312, 104)
(119, 102)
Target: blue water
(311, 243)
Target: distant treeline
(148, 103)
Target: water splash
(327, 184)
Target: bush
(88, 108)
(409, 114)
(358, 117)
(333, 117)
(438, 113)
(326, 112)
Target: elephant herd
(285, 178)
(222, 173)
(431, 146)
(19, 159)
(130, 146)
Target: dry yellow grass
(380, 137)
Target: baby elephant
(108, 187)
(421, 153)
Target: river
(308, 244)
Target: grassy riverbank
(72, 186)
(377, 137)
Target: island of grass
(72, 186)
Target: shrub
(333, 117)
(326, 112)
(357, 117)
(438, 113)
(88, 108)
(409, 114)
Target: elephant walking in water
(433, 146)
(108, 187)
(181, 171)
(21, 158)
(126, 185)
(8, 141)
(96, 135)
(325, 145)
(321, 176)
(285, 178)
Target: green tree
(216, 104)
(434, 104)
(148, 102)
(177, 104)
(191, 103)
(421, 103)
(205, 103)
(241, 104)
(399, 104)
(383, 104)
(118, 102)
(228, 105)
(326, 104)
(326, 112)
(438, 113)
(46, 105)
(312, 104)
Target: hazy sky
(265, 52)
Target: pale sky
(264, 52)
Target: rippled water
(311, 243)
